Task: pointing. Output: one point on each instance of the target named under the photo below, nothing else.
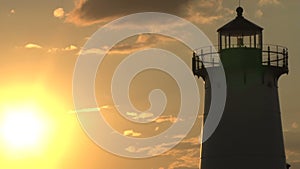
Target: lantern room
(240, 33)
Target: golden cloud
(131, 133)
(12, 11)
(59, 13)
(32, 46)
(70, 48)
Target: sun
(22, 128)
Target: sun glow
(35, 128)
(22, 128)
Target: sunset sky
(41, 40)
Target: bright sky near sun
(40, 42)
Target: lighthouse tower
(249, 135)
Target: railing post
(255, 45)
(201, 55)
(197, 63)
(277, 57)
(210, 50)
(194, 62)
(229, 41)
(269, 56)
(287, 58)
(284, 57)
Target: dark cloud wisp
(91, 11)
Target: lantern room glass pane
(249, 41)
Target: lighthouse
(249, 134)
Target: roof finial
(239, 10)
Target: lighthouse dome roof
(239, 26)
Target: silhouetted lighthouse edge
(249, 135)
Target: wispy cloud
(91, 109)
(268, 2)
(187, 154)
(292, 147)
(32, 46)
(207, 11)
(150, 150)
(142, 42)
(258, 13)
(295, 125)
(68, 48)
(93, 51)
(292, 156)
(292, 127)
(170, 119)
(261, 3)
(131, 133)
(139, 116)
(49, 49)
